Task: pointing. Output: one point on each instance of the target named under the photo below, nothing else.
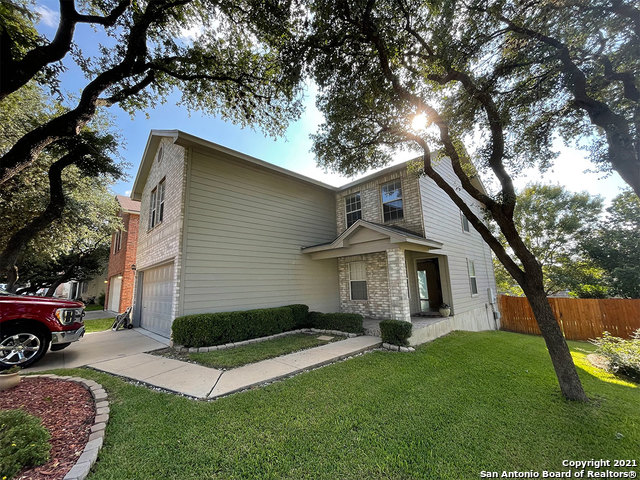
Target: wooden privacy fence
(579, 318)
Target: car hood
(59, 302)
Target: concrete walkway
(203, 382)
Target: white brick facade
(371, 200)
(377, 304)
(163, 243)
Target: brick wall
(120, 262)
(388, 296)
(163, 242)
(371, 200)
(377, 305)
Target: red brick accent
(120, 262)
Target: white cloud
(47, 16)
(191, 33)
(127, 193)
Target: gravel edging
(90, 453)
(183, 349)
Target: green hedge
(207, 329)
(300, 315)
(395, 332)
(345, 322)
(24, 442)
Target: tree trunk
(561, 359)
(20, 239)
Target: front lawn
(93, 307)
(255, 352)
(457, 406)
(98, 324)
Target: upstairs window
(160, 208)
(152, 208)
(117, 241)
(392, 201)
(473, 282)
(358, 280)
(156, 207)
(353, 207)
(465, 222)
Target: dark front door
(429, 289)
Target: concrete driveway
(98, 347)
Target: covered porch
(388, 273)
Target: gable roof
(127, 204)
(185, 140)
(395, 234)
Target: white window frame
(399, 181)
(152, 208)
(363, 266)
(466, 227)
(156, 206)
(160, 209)
(117, 241)
(346, 208)
(473, 278)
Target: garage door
(157, 300)
(115, 286)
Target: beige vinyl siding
(244, 227)
(442, 222)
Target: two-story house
(222, 231)
(122, 257)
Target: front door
(429, 289)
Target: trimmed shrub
(24, 442)
(395, 332)
(300, 315)
(345, 322)
(623, 355)
(207, 329)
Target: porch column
(398, 288)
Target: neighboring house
(88, 290)
(221, 231)
(122, 257)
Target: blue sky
(293, 150)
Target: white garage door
(157, 300)
(115, 286)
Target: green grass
(462, 404)
(235, 357)
(98, 324)
(93, 308)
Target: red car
(28, 325)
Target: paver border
(89, 455)
(182, 349)
(397, 348)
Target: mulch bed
(67, 411)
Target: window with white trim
(160, 213)
(152, 208)
(358, 280)
(353, 208)
(473, 282)
(156, 207)
(465, 222)
(117, 241)
(392, 201)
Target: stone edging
(397, 348)
(182, 349)
(90, 453)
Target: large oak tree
(489, 89)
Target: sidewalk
(203, 382)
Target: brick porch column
(398, 288)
